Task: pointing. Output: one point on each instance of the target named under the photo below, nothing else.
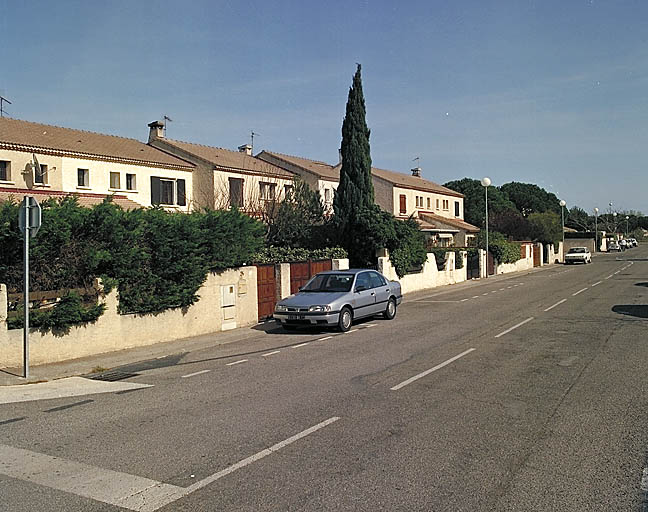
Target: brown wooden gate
(302, 271)
(536, 256)
(490, 264)
(266, 290)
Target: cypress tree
(355, 190)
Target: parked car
(623, 244)
(337, 297)
(614, 247)
(634, 242)
(578, 255)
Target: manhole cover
(112, 376)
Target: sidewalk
(102, 362)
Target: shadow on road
(642, 284)
(638, 310)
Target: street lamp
(627, 226)
(596, 210)
(562, 216)
(486, 183)
(614, 216)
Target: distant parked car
(337, 297)
(614, 247)
(578, 255)
(623, 244)
(634, 242)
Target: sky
(537, 91)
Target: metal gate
(491, 264)
(302, 271)
(536, 256)
(266, 290)
(472, 267)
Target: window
(267, 191)
(114, 180)
(327, 195)
(428, 203)
(288, 191)
(437, 204)
(377, 280)
(403, 203)
(5, 175)
(83, 178)
(168, 191)
(131, 184)
(236, 192)
(40, 177)
(457, 211)
(445, 204)
(363, 281)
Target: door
(491, 264)
(382, 291)
(364, 296)
(299, 275)
(266, 290)
(536, 255)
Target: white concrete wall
(525, 263)
(430, 277)
(113, 332)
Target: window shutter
(182, 196)
(156, 190)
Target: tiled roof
(85, 199)
(228, 159)
(434, 221)
(25, 135)
(413, 182)
(321, 169)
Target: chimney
(340, 156)
(245, 148)
(416, 172)
(156, 130)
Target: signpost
(29, 222)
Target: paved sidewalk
(102, 362)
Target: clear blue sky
(546, 92)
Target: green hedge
(440, 255)
(288, 254)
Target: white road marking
(237, 362)
(596, 284)
(61, 388)
(608, 277)
(644, 480)
(502, 289)
(123, 490)
(270, 353)
(485, 293)
(263, 453)
(475, 296)
(370, 325)
(514, 327)
(195, 373)
(509, 287)
(427, 372)
(329, 337)
(301, 344)
(556, 304)
(617, 272)
(579, 291)
(435, 301)
(464, 300)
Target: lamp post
(596, 210)
(614, 216)
(486, 183)
(562, 216)
(626, 235)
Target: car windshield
(329, 283)
(575, 250)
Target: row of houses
(50, 161)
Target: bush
(440, 255)
(288, 254)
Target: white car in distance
(578, 255)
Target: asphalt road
(525, 392)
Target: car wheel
(345, 320)
(289, 327)
(390, 310)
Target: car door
(364, 296)
(381, 290)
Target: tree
(511, 223)
(578, 218)
(529, 198)
(546, 227)
(297, 217)
(474, 200)
(355, 190)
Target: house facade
(440, 210)
(51, 161)
(225, 178)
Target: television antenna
(252, 135)
(3, 100)
(166, 118)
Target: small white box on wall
(228, 295)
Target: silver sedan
(337, 297)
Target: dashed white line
(596, 284)
(370, 325)
(195, 373)
(301, 344)
(464, 300)
(485, 293)
(556, 304)
(617, 272)
(608, 277)
(237, 362)
(329, 337)
(352, 330)
(502, 289)
(427, 372)
(475, 296)
(579, 291)
(514, 327)
(270, 353)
